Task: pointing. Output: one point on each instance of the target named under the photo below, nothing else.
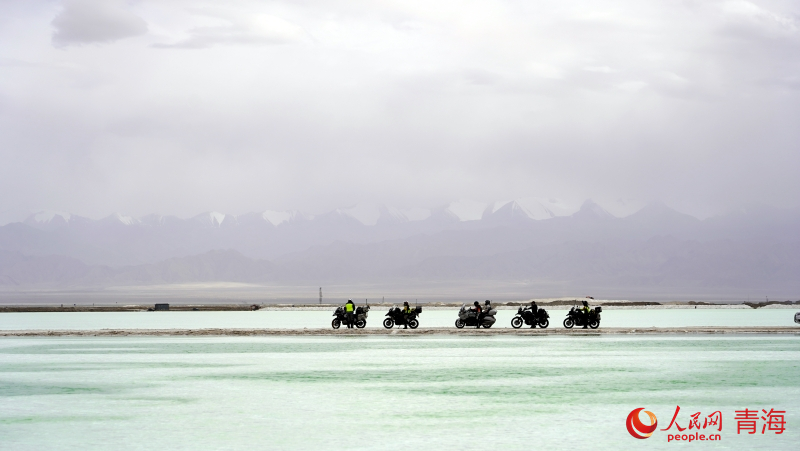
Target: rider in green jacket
(349, 313)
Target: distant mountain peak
(49, 220)
(46, 217)
(122, 219)
(363, 213)
(211, 218)
(443, 214)
(390, 215)
(279, 217)
(591, 210)
(528, 209)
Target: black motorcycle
(396, 316)
(471, 318)
(530, 318)
(360, 317)
(577, 317)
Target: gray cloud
(89, 21)
(405, 103)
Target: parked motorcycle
(469, 317)
(396, 316)
(797, 317)
(361, 314)
(530, 318)
(576, 317)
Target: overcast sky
(179, 107)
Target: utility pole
(320, 295)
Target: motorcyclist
(349, 313)
(477, 309)
(487, 307)
(406, 313)
(534, 310)
(585, 313)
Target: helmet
(488, 301)
(477, 303)
(405, 302)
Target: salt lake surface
(379, 392)
(283, 319)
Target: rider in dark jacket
(534, 311)
(477, 309)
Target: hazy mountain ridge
(654, 247)
(120, 240)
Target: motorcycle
(469, 317)
(797, 317)
(360, 321)
(396, 316)
(575, 317)
(528, 317)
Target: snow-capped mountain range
(544, 240)
(369, 215)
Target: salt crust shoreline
(784, 330)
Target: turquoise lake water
(386, 393)
(429, 318)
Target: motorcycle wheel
(594, 324)
(413, 324)
(460, 324)
(361, 324)
(388, 323)
(516, 322)
(544, 324)
(568, 323)
(336, 323)
(486, 326)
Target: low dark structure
(162, 307)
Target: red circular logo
(639, 429)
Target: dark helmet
(405, 302)
(477, 304)
(585, 304)
(488, 302)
